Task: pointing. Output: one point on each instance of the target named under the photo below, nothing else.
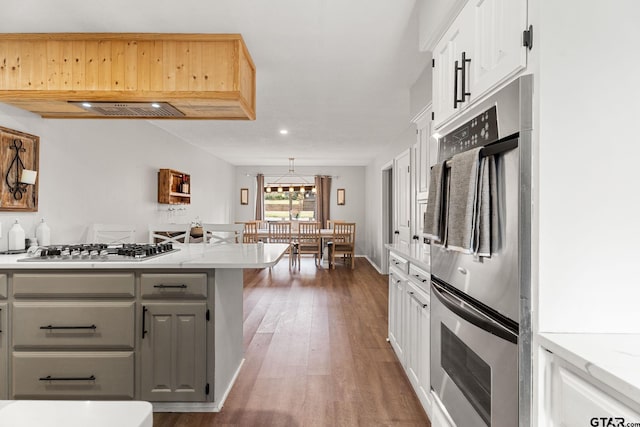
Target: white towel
(433, 226)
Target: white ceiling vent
(130, 109)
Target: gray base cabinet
(173, 352)
(116, 335)
(4, 351)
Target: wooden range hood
(202, 76)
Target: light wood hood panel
(209, 75)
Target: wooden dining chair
(344, 242)
(250, 232)
(111, 233)
(308, 241)
(280, 232)
(214, 234)
(169, 233)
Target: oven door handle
(468, 313)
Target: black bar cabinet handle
(455, 85)
(464, 76)
(51, 327)
(161, 286)
(50, 378)
(144, 315)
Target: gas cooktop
(98, 252)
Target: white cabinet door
(448, 98)
(498, 51)
(417, 342)
(397, 285)
(423, 164)
(572, 399)
(402, 197)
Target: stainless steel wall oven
(480, 306)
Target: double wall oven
(480, 306)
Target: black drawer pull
(144, 315)
(51, 327)
(170, 286)
(50, 378)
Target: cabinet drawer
(74, 285)
(181, 286)
(398, 262)
(419, 277)
(3, 286)
(77, 375)
(73, 324)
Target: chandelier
(290, 182)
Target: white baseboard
(198, 406)
(373, 264)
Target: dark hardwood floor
(316, 354)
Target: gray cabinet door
(4, 351)
(173, 352)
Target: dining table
(326, 235)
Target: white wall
(374, 243)
(105, 171)
(589, 196)
(351, 178)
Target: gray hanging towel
(486, 223)
(433, 226)
(463, 201)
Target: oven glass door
(474, 363)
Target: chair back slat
(250, 232)
(280, 232)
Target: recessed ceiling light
(284, 131)
(155, 105)
(86, 104)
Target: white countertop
(189, 256)
(610, 358)
(417, 253)
(65, 413)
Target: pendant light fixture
(290, 182)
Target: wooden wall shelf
(174, 187)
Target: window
(289, 205)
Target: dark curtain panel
(260, 196)
(323, 199)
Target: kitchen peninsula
(167, 329)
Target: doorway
(387, 215)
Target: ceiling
(336, 74)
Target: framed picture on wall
(341, 196)
(244, 196)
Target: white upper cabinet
(498, 51)
(481, 49)
(447, 79)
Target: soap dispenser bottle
(16, 237)
(43, 234)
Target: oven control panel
(477, 132)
